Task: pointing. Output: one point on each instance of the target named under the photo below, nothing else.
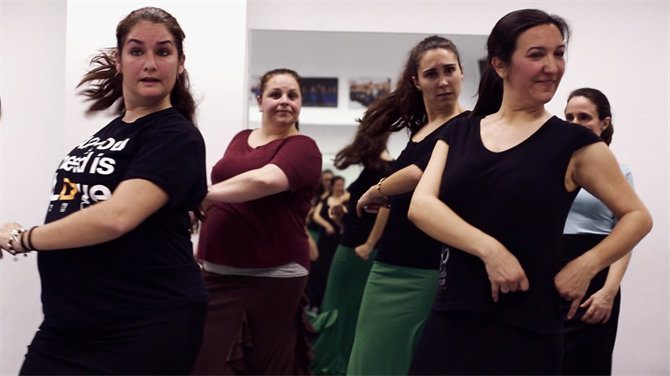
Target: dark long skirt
(587, 348)
(162, 343)
(255, 326)
(470, 343)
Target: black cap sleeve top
(517, 196)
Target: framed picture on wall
(319, 92)
(255, 87)
(364, 91)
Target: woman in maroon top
(254, 245)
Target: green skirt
(315, 234)
(395, 306)
(336, 324)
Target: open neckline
(532, 135)
(267, 143)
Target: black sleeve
(173, 158)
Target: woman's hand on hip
(505, 272)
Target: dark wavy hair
(104, 82)
(502, 44)
(404, 107)
(363, 150)
(602, 107)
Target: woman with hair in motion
(402, 281)
(254, 245)
(588, 338)
(348, 273)
(496, 192)
(121, 291)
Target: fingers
(607, 317)
(520, 283)
(573, 308)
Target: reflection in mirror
(360, 62)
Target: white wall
(621, 48)
(32, 62)
(43, 58)
(618, 47)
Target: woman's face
(338, 187)
(326, 180)
(582, 111)
(280, 103)
(150, 65)
(439, 79)
(536, 67)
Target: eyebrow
(141, 42)
(543, 48)
(445, 65)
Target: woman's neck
(268, 133)
(441, 116)
(436, 119)
(134, 111)
(512, 112)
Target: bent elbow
(648, 222)
(117, 227)
(414, 212)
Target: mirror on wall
(343, 73)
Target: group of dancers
(452, 259)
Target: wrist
(379, 187)
(16, 242)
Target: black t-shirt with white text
(152, 266)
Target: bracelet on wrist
(14, 237)
(379, 186)
(29, 238)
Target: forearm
(616, 273)
(378, 228)
(628, 232)
(318, 218)
(401, 181)
(437, 220)
(250, 185)
(132, 202)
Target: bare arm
(132, 202)
(599, 305)
(401, 181)
(595, 169)
(250, 185)
(436, 219)
(363, 251)
(322, 222)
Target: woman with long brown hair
(121, 291)
(401, 284)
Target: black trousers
(163, 343)
(587, 348)
(470, 343)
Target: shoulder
(301, 143)
(171, 122)
(459, 124)
(576, 135)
